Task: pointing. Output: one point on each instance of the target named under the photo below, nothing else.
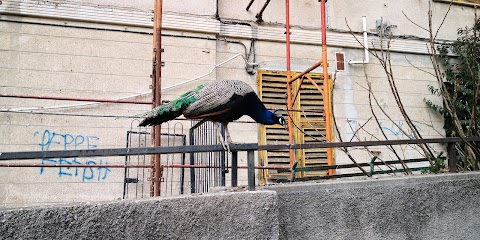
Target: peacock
(221, 102)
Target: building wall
(104, 51)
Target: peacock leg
(227, 134)
(220, 137)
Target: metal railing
(250, 148)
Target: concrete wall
(104, 51)
(442, 206)
(247, 215)
(425, 207)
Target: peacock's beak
(283, 122)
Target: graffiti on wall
(50, 140)
(396, 129)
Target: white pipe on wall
(365, 44)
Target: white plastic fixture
(365, 44)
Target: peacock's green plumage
(180, 103)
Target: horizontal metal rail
(343, 166)
(49, 165)
(360, 174)
(249, 148)
(5, 156)
(321, 168)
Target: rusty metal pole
(326, 87)
(289, 84)
(156, 88)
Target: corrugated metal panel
(76, 11)
(188, 23)
(315, 38)
(85, 12)
(471, 3)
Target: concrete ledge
(443, 206)
(243, 215)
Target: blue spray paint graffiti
(57, 141)
(395, 129)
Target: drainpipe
(365, 44)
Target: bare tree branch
(416, 24)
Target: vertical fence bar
(126, 170)
(222, 156)
(452, 158)
(192, 161)
(223, 168)
(234, 169)
(182, 173)
(144, 158)
(251, 170)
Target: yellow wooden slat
(272, 89)
(269, 96)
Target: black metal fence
(202, 179)
(235, 148)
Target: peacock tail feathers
(172, 109)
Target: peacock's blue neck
(258, 112)
(266, 117)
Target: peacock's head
(281, 121)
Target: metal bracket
(131, 180)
